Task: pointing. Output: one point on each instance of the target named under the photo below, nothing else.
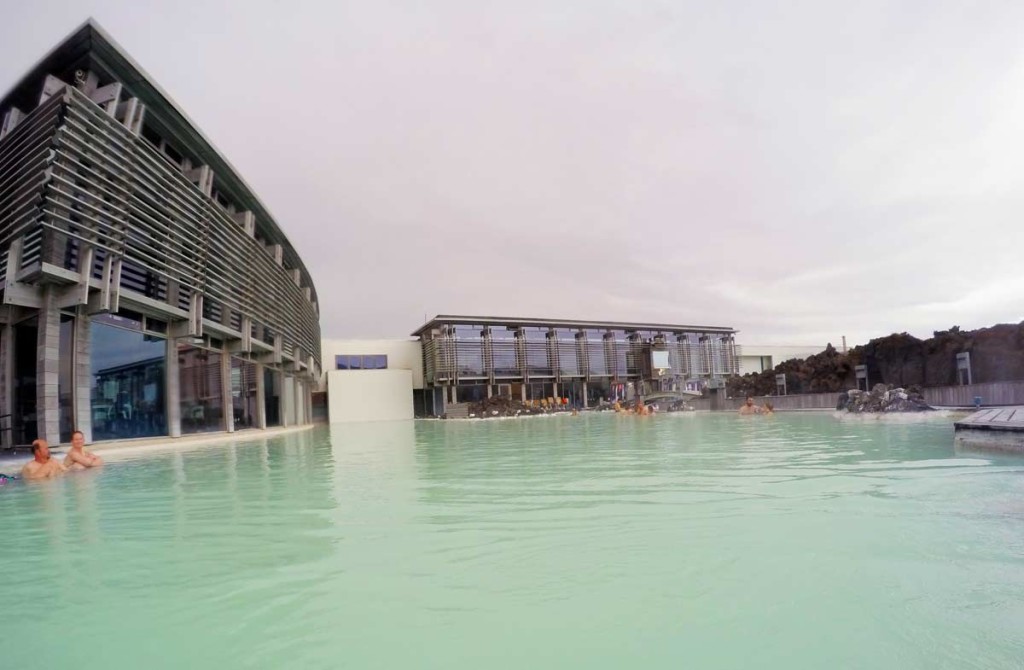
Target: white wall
(759, 357)
(369, 395)
(403, 354)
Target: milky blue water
(704, 541)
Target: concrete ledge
(989, 440)
(117, 447)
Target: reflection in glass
(243, 393)
(621, 346)
(538, 360)
(202, 407)
(272, 396)
(26, 342)
(568, 355)
(469, 345)
(127, 383)
(596, 354)
(65, 380)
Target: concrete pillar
(522, 392)
(227, 398)
(172, 388)
(300, 403)
(308, 403)
(297, 401)
(48, 368)
(586, 403)
(287, 400)
(261, 398)
(81, 374)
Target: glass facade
(578, 364)
(538, 355)
(505, 353)
(243, 393)
(568, 354)
(26, 340)
(65, 378)
(596, 356)
(469, 351)
(272, 396)
(200, 389)
(127, 390)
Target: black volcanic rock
(997, 354)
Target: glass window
(538, 362)
(505, 353)
(375, 362)
(596, 353)
(469, 351)
(361, 362)
(127, 394)
(202, 403)
(272, 396)
(243, 393)
(347, 362)
(156, 325)
(26, 341)
(499, 333)
(65, 378)
(568, 354)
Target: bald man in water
(42, 466)
(78, 458)
(749, 408)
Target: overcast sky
(799, 171)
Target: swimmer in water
(749, 408)
(78, 458)
(42, 466)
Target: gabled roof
(89, 47)
(445, 319)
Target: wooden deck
(998, 418)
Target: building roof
(446, 319)
(89, 47)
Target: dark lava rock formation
(997, 355)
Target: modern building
(146, 289)
(459, 359)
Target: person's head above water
(41, 450)
(750, 400)
(77, 439)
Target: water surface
(710, 541)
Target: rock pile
(501, 406)
(883, 398)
